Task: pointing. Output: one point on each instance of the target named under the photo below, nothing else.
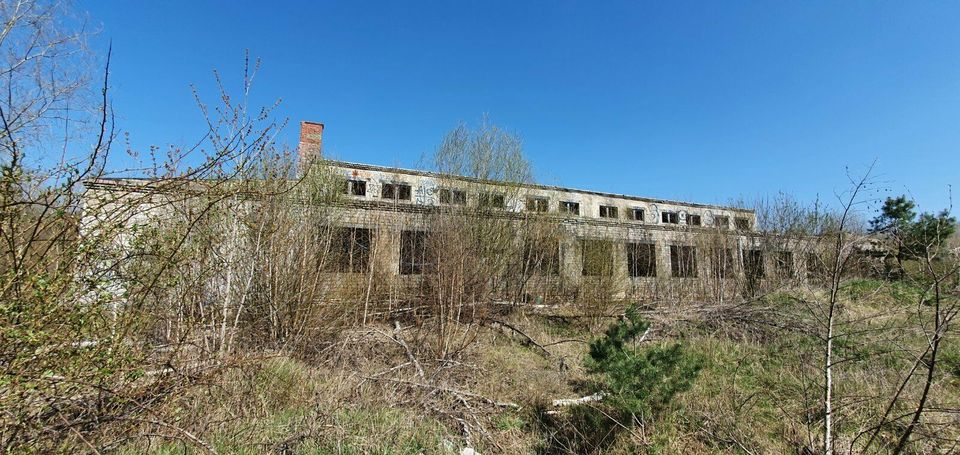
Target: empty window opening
(721, 222)
(414, 257)
(742, 224)
(537, 204)
(453, 197)
(753, 264)
(597, 257)
(608, 211)
(815, 267)
(636, 214)
(784, 262)
(491, 200)
(570, 207)
(396, 191)
(642, 259)
(351, 249)
(670, 217)
(693, 220)
(541, 256)
(721, 262)
(355, 187)
(683, 261)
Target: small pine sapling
(638, 382)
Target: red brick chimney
(311, 143)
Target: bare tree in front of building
(474, 241)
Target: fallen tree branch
(406, 348)
(454, 392)
(572, 340)
(527, 340)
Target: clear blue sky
(700, 101)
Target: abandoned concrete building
(633, 246)
(634, 243)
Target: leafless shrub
(479, 248)
(119, 292)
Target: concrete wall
(388, 218)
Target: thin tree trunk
(839, 264)
(828, 388)
(931, 368)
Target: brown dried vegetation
(205, 309)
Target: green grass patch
(859, 288)
(509, 421)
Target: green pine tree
(913, 236)
(637, 382)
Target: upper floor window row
(671, 217)
(403, 192)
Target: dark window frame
(396, 191)
(721, 222)
(351, 247)
(815, 266)
(596, 257)
(753, 264)
(542, 256)
(694, 220)
(450, 196)
(415, 255)
(538, 204)
(632, 213)
(721, 262)
(642, 260)
(683, 261)
(741, 223)
(491, 200)
(355, 187)
(670, 217)
(783, 262)
(608, 211)
(570, 207)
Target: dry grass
(756, 394)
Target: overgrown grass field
(757, 392)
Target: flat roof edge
(373, 167)
(416, 172)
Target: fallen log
(575, 401)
